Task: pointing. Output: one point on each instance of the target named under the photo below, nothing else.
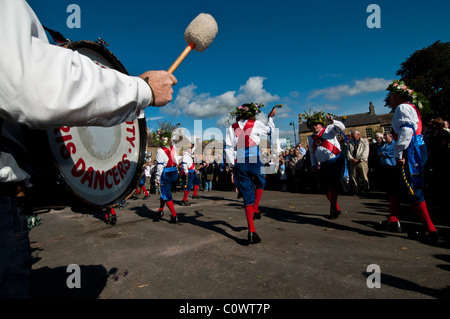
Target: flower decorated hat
(163, 137)
(407, 93)
(246, 111)
(313, 118)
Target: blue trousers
(249, 176)
(191, 180)
(168, 178)
(15, 251)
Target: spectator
(357, 156)
(374, 162)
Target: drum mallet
(199, 34)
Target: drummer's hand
(161, 83)
(157, 182)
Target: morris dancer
(410, 154)
(242, 151)
(166, 173)
(192, 181)
(326, 156)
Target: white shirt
(162, 159)
(187, 161)
(321, 154)
(231, 140)
(404, 114)
(43, 85)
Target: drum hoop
(142, 123)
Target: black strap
(57, 36)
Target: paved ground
(303, 253)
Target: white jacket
(259, 129)
(404, 114)
(321, 154)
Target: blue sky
(304, 54)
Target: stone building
(368, 124)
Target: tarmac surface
(303, 254)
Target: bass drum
(98, 166)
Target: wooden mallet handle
(183, 54)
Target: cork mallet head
(201, 31)
(199, 34)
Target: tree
(428, 71)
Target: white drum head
(98, 164)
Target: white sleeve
(184, 164)
(312, 154)
(161, 161)
(44, 85)
(404, 115)
(230, 147)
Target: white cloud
(358, 87)
(203, 106)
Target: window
(369, 133)
(387, 129)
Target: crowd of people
(368, 161)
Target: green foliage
(428, 72)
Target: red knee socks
(258, 194)
(249, 215)
(171, 208)
(394, 207)
(332, 196)
(195, 191)
(145, 191)
(421, 210)
(186, 193)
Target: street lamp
(295, 137)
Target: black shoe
(113, 220)
(257, 215)
(422, 235)
(195, 196)
(185, 203)
(390, 226)
(334, 214)
(253, 238)
(173, 220)
(158, 215)
(146, 196)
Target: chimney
(299, 119)
(371, 109)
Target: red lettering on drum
(99, 180)
(76, 171)
(88, 176)
(115, 175)
(107, 183)
(131, 130)
(126, 162)
(66, 149)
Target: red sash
(238, 131)
(171, 155)
(319, 141)
(419, 125)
